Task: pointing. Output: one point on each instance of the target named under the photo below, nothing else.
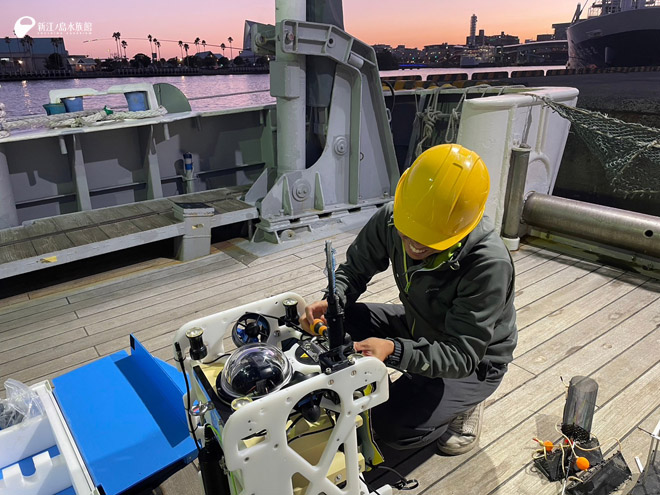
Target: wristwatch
(394, 359)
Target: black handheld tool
(339, 346)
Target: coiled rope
(73, 119)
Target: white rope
(73, 119)
(3, 132)
(101, 115)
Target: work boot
(463, 432)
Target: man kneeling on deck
(455, 331)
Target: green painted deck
(575, 318)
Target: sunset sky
(414, 23)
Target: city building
(30, 54)
(471, 41)
(553, 52)
(82, 63)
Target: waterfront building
(31, 54)
(553, 52)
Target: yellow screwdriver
(319, 327)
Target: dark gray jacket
(459, 311)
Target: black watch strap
(394, 359)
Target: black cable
(217, 359)
(179, 359)
(371, 490)
(403, 483)
(289, 323)
(311, 433)
(293, 423)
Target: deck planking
(575, 317)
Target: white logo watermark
(51, 28)
(22, 29)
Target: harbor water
(235, 91)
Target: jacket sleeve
(469, 325)
(366, 256)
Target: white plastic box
(31, 439)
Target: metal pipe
(610, 226)
(515, 192)
(291, 97)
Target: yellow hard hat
(442, 196)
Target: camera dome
(254, 370)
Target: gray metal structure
(358, 164)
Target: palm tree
(124, 45)
(56, 44)
(230, 39)
(117, 37)
(11, 59)
(181, 48)
(204, 44)
(196, 43)
(222, 47)
(151, 48)
(29, 41)
(185, 47)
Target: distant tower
(473, 29)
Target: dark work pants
(419, 408)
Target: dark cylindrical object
(515, 192)
(579, 408)
(610, 226)
(198, 349)
(213, 476)
(291, 309)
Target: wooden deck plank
(73, 221)
(87, 236)
(161, 323)
(51, 243)
(11, 235)
(40, 227)
(111, 286)
(158, 205)
(542, 271)
(17, 251)
(119, 229)
(72, 287)
(524, 251)
(559, 280)
(49, 367)
(203, 300)
(579, 307)
(26, 337)
(202, 287)
(529, 262)
(533, 308)
(57, 320)
(540, 358)
(175, 282)
(156, 221)
(20, 314)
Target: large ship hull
(623, 39)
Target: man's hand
(373, 346)
(312, 311)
